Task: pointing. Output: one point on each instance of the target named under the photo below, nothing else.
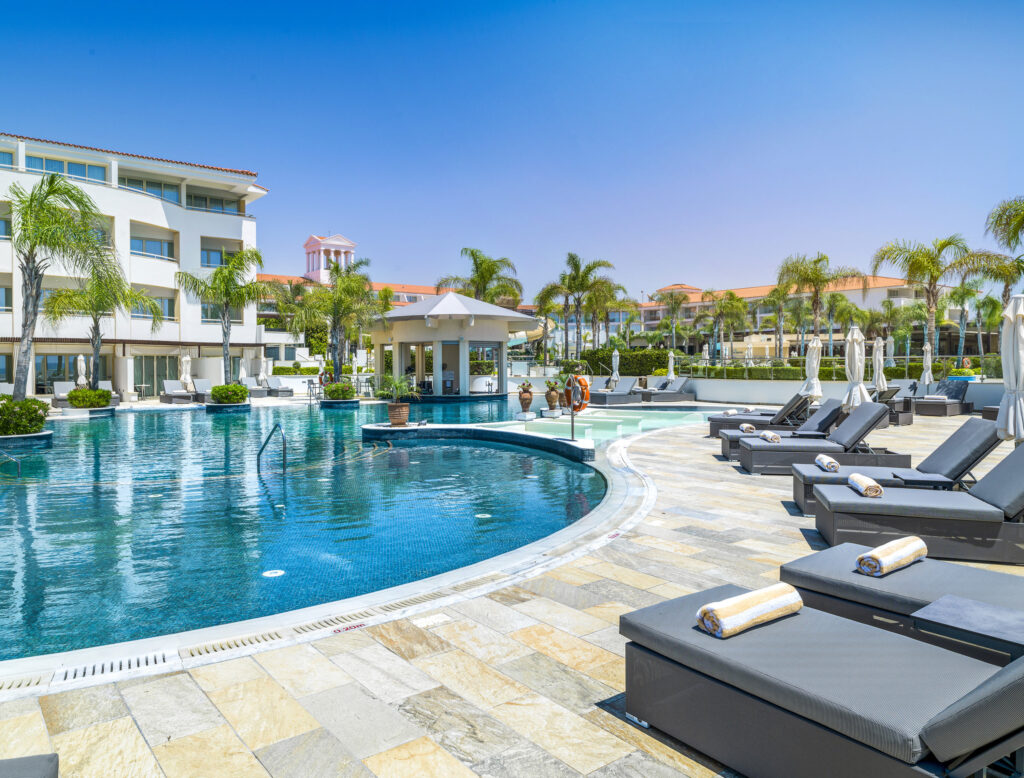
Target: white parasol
(1010, 421)
(186, 370)
(812, 386)
(878, 365)
(890, 351)
(80, 367)
(671, 366)
(615, 365)
(856, 392)
(926, 372)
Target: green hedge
(88, 398)
(634, 362)
(283, 370)
(229, 393)
(343, 390)
(24, 417)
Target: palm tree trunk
(545, 341)
(816, 312)
(981, 345)
(565, 329)
(673, 323)
(225, 344)
(831, 326)
(963, 334)
(96, 339)
(31, 291)
(929, 327)
(578, 310)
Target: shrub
(314, 370)
(88, 398)
(283, 370)
(992, 366)
(229, 393)
(481, 366)
(24, 417)
(660, 371)
(316, 340)
(343, 390)
(961, 371)
(633, 362)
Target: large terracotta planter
(398, 414)
(552, 397)
(525, 399)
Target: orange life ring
(584, 400)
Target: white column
(502, 367)
(438, 354)
(463, 374)
(19, 155)
(112, 171)
(378, 361)
(396, 360)
(421, 361)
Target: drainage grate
(396, 606)
(487, 579)
(230, 644)
(23, 682)
(333, 621)
(110, 666)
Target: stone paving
(525, 681)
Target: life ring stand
(577, 400)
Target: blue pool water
(152, 523)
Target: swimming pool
(153, 523)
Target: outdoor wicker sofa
(667, 392)
(789, 415)
(983, 524)
(814, 695)
(175, 393)
(827, 580)
(278, 389)
(817, 426)
(60, 394)
(953, 405)
(845, 443)
(255, 390)
(202, 390)
(949, 465)
(617, 396)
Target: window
(79, 170)
(153, 247)
(272, 352)
(6, 159)
(6, 298)
(33, 163)
(211, 257)
(76, 169)
(169, 192)
(5, 228)
(166, 306)
(97, 173)
(211, 313)
(289, 353)
(215, 204)
(54, 166)
(6, 368)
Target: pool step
(559, 428)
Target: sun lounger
(990, 412)
(982, 524)
(617, 396)
(789, 415)
(599, 383)
(6, 388)
(255, 390)
(883, 397)
(953, 405)
(669, 391)
(814, 695)
(60, 394)
(175, 393)
(203, 390)
(816, 427)
(38, 766)
(845, 443)
(826, 581)
(115, 398)
(949, 465)
(277, 389)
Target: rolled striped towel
(730, 412)
(726, 618)
(935, 397)
(770, 436)
(748, 428)
(891, 556)
(868, 487)
(826, 463)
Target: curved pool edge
(582, 450)
(629, 497)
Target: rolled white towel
(727, 617)
(935, 397)
(868, 487)
(826, 463)
(749, 409)
(730, 412)
(891, 556)
(748, 428)
(771, 437)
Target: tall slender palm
(673, 302)
(962, 296)
(491, 280)
(600, 300)
(546, 308)
(97, 298)
(632, 317)
(228, 288)
(622, 304)
(813, 276)
(832, 303)
(557, 291)
(800, 315)
(776, 299)
(988, 312)
(925, 266)
(1006, 223)
(910, 316)
(725, 310)
(577, 280)
(53, 223)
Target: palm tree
(491, 280)
(549, 295)
(726, 310)
(776, 299)
(601, 300)
(633, 317)
(925, 266)
(55, 222)
(546, 308)
(673, 302)
(97, 298)
(228, 288)
(685, 331)
(814, 276)
(962, 296)
(1006, 223)
(573, 285)
(988, 313)
(345, 305)
(832, 304)
(800, 315)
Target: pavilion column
(463, 374)
(502, 367)
(421, 362)
(438, 356)
(378, 362)
(396, 360)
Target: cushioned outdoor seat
(203, 390)
(278, 389)
(666, 391)
(115, 399)
(808, 688)
(949, 464)
(816, 427)
(40, 766)
(789, 415)
(255, 390)
(907, 502)
(175, 393)
(953, 405)
(617, 396)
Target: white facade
(321, 251)
(163, 216)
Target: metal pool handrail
(17, 462)
(284, 448)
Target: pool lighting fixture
(272, 573)
(483, 516)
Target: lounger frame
(781, 462)
(947, 538)
(797, 416)
(731, 448)
(803, 493)
(756, 738)
(924, 407)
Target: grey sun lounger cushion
(61, 389)
(919, 503)
(1003, 485)
(6, 388)
(174, 388)
(845, 437)
(873, 686)
(817, 424)
(40, 766)
(833, 572)
(599, 383)
(795, 405)
(886, 476)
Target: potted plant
(398, 411)
(553, 395)
(21, 423)
(339, 395)
(525, 395)
(228, 398)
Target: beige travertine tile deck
(503, 685)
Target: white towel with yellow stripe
(826, 463)
(748, 428)
(726, 618)
(868, 487)
(771, 437)
(892, 556)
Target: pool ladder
(8, 457)
(284, 448)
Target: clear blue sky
(684, 142)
